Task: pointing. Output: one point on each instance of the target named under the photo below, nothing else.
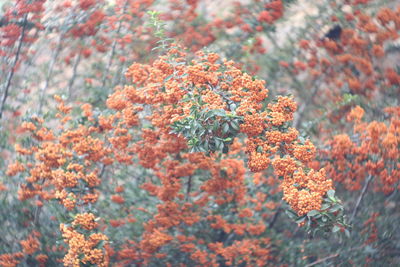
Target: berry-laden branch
(210, 103)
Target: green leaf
(219, 144)
(215, 126)
(318, 216)
(168, 78)
(335, 229)
(335, 208)
(331, 194)
(292, 215)
(312, 213)
(202, 149)
(347, 233)
(225, 128)
(206, 145)
(208, 115)
(325, 206)
(220, 112)
(235, 125)
(301, 219)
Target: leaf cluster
(329, 219)
(208, 130)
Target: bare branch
(14, 64)
(74, 74)
(364, 190)
(322, 260)
(50, 72)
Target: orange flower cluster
(65, 168)
(188, 186)
(303, 191)
(166, 154)
(355, 61)
(356, 114)
(373, 151)
(185, 200)
(30, 246)
(11, 260)
(371, 229)
(155, 240)
(85, 220)
(83, 249)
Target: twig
(322, 260)
(364, 190)
(189, 188)
(36, 216)
(103, 169)
(114, 46)
(11, 73)
(118, 78)
(393, 193)
(274, 219)
(74, 73)
(331, 257)
(50, 72)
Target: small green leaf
(225, 128)
(347, 233)
(325, 206)
(235, 125)
(215, 126)
(168, 78)
(301, 219)
(335, 229)
(291, 214)
(312, 213)
(335, 208)
(220, 112)
(331, 194)
(219, 144)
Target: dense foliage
(195, 132)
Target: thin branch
(102, 171)
(393, 193)
(11, 73)
(189, 188)
(331, 256)
(36, 216)
(74, 73)
(114, 46)
(322, 260)
(364, 190)
(50, 72)
(118, 78)
(271, 224)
